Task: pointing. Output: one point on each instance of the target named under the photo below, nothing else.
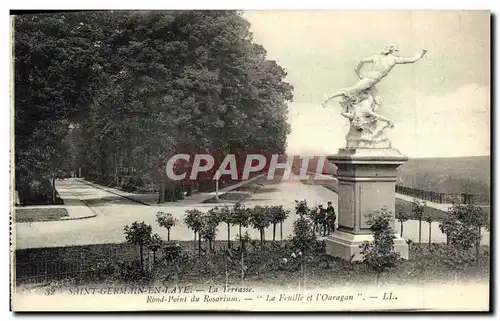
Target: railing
(443, 198)
(43, 271)
(421, 194)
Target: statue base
(347, 246)
(371, 136)
(367, 181)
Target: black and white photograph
(250, 160)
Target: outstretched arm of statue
(326, 99)
(410, 60)
(361, 64)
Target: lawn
(39, 214)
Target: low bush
(379, 255)
(271, 264)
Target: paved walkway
(74, 203)
(151, 199)
(114, 212)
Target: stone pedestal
(367, 179)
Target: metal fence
(75, 267)
(443, 198)
(43, 271)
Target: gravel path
(114, 212)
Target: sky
(440, 105)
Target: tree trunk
(300, 277)
(228, 236)
(194, 243)
(242, 265)
(210, 246)
(199, 244)
(168, 235)
(478, 247)
(53, 190)
(401, 229)
(261, 236)
(161, 193)
(274, 232)
(170, 192)
(116, 168)
(419, 232)
(240, 235)
(430, 234)
(227, 276)
(281, 230)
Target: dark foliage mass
(116, 93)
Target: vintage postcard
(250, 161)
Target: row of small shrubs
(473, 216)
(379, 256)
(205, 225)
(294, 254)
(462, 226)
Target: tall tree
(144, 85)
(56, 75)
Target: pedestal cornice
(369, 156)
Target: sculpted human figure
(382, 64)
(366, 126)
(360, 111)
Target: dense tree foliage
(137, 87)
(55, 82)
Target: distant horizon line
(410, 157)
(419, 157)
